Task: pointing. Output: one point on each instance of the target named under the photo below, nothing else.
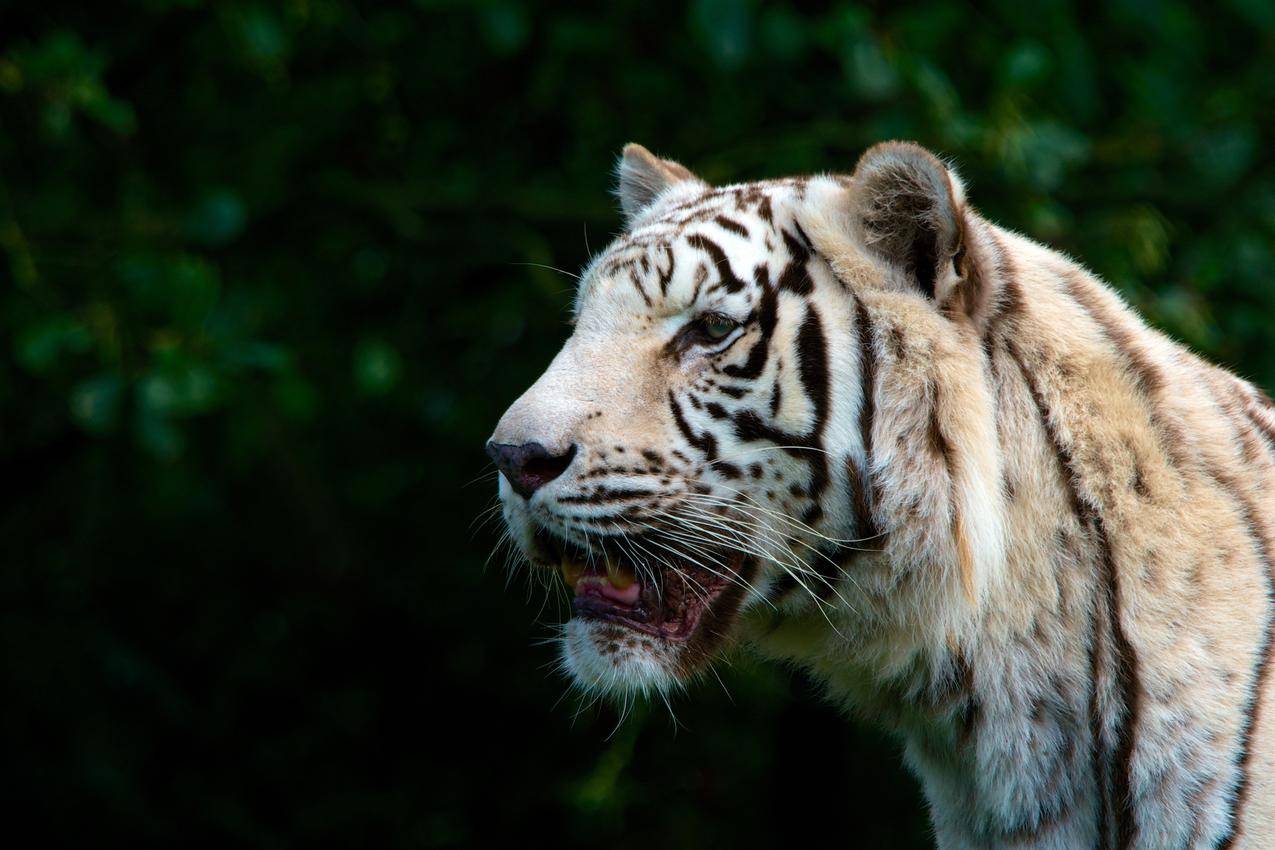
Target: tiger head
(744, 427)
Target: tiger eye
(718, 327)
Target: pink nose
(530, 466)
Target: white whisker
(549, 267)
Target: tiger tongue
(627, 596)
(606, 588)
(617, 583)
(622, 585)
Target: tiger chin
(845, 422)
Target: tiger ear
(911, 211)
(642, 176)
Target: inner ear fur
(910, 208)
(642, 177)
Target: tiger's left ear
(642, 177)
(910, 208)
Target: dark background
(269, 273)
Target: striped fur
(986, 505)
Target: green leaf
(39, 347)
(95, 403)
(377, 367)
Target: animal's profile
(849, 423)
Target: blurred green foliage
(270, 273)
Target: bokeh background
(269, 273)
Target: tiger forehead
(749, 200)
(691, 231)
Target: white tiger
(847, 422)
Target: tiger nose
(530, 466)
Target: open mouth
(643, 583)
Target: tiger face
(698, 449)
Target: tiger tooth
(571, 571)
(619, 575)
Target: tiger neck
(967, 686)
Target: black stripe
(938, 440)
(749, 427)
(701, 275)
(864, 493)
(666, 275)
(767, 318)
(1126, 663)
(1116, 799)
(805, 240)
(637, 284)
(727, 470)
(1253, 410)
(865, 525)
(720, 261)
(1101, 768)
(1145, 373)
(1241, 409)
(1252, 711)
(764, 210)
(1266, 432)
(795, 277)
(706, 442)
(1009, 298)
(1260, 535)
(602, 495)
(731, 225)
(812, 368)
